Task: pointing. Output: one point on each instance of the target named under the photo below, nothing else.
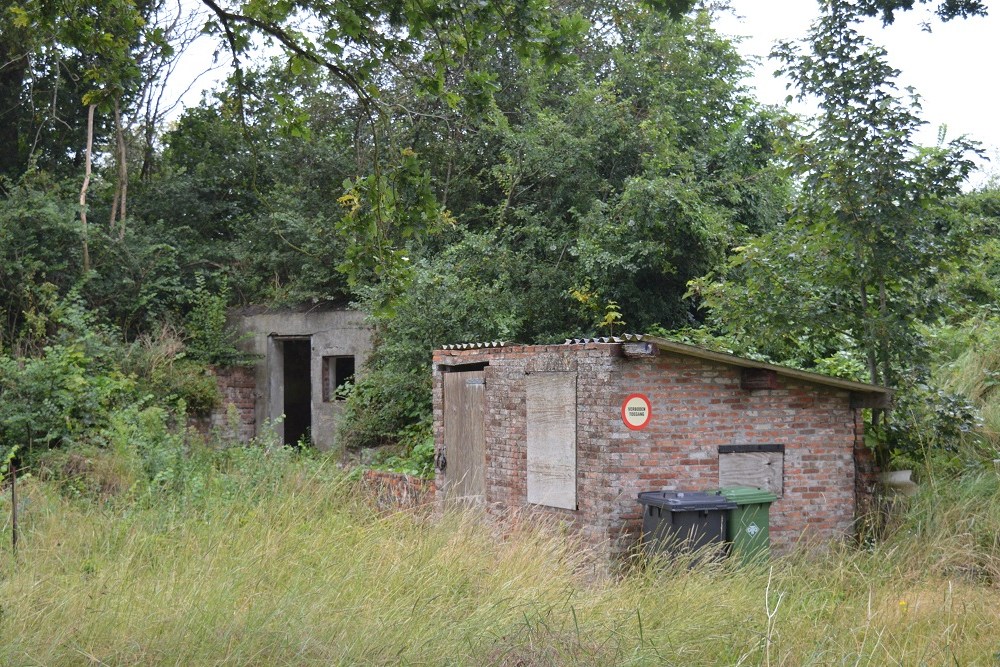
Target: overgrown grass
(278, 559)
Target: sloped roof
(733, 360)
(709, 355)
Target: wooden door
(464, 435)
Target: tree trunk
(871, 351)
(86, 184)
(885, 345)
(118, 210)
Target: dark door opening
(298, 390)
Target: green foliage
(439, 307)
(39, 252)
(604, 319)
(354, 44)
(946, 10)
(381, 213)
(973, 283)
(144, 433)
(245, 195)
(163, 372)
(5, 466)
(459, 174)
(870, 198)
(67, 391)
(927, 428)
(967, 364)
(185, 380)
(843, 363)
(869, 252)
(859, 265)
(417, 458)
(138, 280)
(209, 338)
(607, 179)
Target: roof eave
(743, 362)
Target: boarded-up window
(551, 435)
(760, 466)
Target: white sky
(953, 68)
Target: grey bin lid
(686, 501)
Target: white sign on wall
(636, 411)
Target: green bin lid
(747, 495)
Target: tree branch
(289, 42)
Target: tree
(946, 10)
(60, 58)
(357, 42)
(616, 178)
(871, 231)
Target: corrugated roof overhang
(876, 396)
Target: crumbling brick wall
(234, 418)
(394, 490)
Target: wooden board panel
(551, 436)
(464, 435)
(765, 470)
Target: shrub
(159, 364)
(210, 340)
(418, 457)
(188, 381)
(927, 425)
(438, 307)
(66, 391)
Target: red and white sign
(636, 411)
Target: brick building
(576, 431)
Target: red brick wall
(234, 417)
(865, 471)
(697, 406)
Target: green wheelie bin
(748, 528)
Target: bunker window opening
(338, 376)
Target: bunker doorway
(293, 397)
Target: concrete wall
(330, 332)
(697, 406)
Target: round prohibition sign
(636, 411)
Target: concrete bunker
(577, 430)
(308, 358)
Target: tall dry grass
(284, 563)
